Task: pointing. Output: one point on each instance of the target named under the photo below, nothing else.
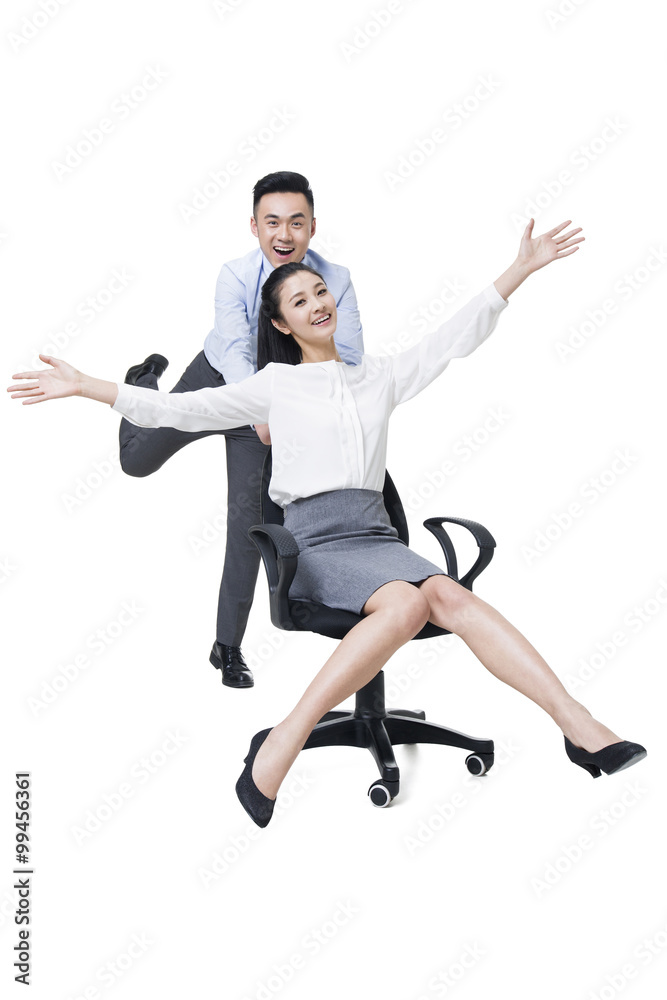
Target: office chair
(370, 725)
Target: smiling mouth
(283, 251)
(324, 319)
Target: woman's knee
(406, 608)
(452, 606)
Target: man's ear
(253, 226)
(313, 227)
(282, 327)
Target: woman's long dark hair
(272, 345)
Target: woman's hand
(51, 383)
(537, 251)
(59, 381)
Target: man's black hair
(282, 180)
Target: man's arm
(228, 346)
(349, 336)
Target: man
(283, 221)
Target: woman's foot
(611, 759)
(255, 803)
(585, 732)
(274, 759)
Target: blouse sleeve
(414, 369)
(216, 408)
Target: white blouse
(328, 420)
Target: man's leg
(143, 450)
(245, 459)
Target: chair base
(371, 726)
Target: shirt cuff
(122, 397)
(494, 297)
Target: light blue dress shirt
(231, 346)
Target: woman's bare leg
(508, 655)
(394, 614)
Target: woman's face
(308, 311)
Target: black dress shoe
(615, 757)
(154, 364)
(235, 670)
(255, 803)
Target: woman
(337, 417)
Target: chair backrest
(273, 514)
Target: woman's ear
(282, 327)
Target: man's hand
(263, 433)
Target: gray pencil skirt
(348, 548)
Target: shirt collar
(267, 267)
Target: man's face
(283, 226)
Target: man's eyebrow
(295, 215)
(316, 285)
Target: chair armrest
(486, 543)
(279, 553)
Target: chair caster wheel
(380, 795)
(479, 763)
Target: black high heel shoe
(615, 757)
(255, 803)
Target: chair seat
(335, 623)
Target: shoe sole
(628, 763)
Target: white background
(547, 882)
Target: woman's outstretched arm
(59, 381)
(468, 328)
(210, 408)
